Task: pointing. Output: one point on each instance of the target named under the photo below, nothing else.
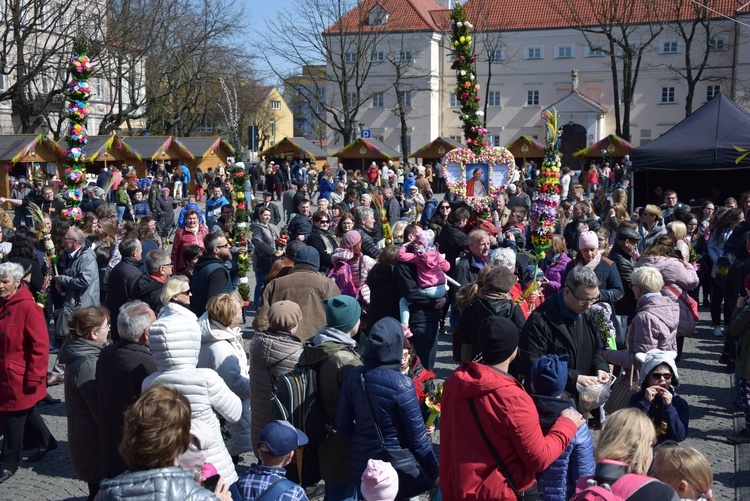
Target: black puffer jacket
(384, 297)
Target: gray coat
(82, 407)
(160, 484)
(264, 240)
(80, 279)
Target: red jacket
(510, 419)
(182, 239)
(24, 352)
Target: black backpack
(297, 401)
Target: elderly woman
(24, 356)
(157, 431)
(323, 240)
(175, 342)
(222, 351)
(365, 200)
(192, 233)
(265, 235)
(651, 226)
(89, 328)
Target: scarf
(494, 296)
(591, 265)
(564, 309)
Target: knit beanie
(284, 315)
(350, 239)
(379, 481)
(654, 358)
(342, 312)
(498, 339)
(588, 240)
(549, 375)
(309, 256)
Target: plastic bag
(591, 397)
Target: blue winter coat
(558, 481)
(671, 421)
(325, 187)
(393, 401)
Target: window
(405, 97)
(669, 47)
(272, 128)
(60, 13)
(351, 99)
(378, 16)
(533, 52)
(717, 44)
(492, 139)
(100, 89)
(275, 105)
(594, 52)
(3, 81)
(564, 52)
(622, 96)
(532, 98)
(453, 100)
(205, 126)
(350, 57)
(78, 18)
(645, 133)
(667, 95)
(493, 98)
(711, 91)
(378, 56)
(377, 100)
(405, 56)
(495, 55)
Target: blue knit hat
(342, 312)
(549, 375)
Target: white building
(536, 52)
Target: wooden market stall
(296, 148)
(434, 151)
(107, 151)
(208, 152)
(360, 153)
(609, 147)
(525, 147)
(19, 153)
(153, 149)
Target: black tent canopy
(707, 139)
(686, 157)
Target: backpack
(722, 268)
(342, 275)
(589, 490)
(297, 401)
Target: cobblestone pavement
(705, 386)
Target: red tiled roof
(403, 15)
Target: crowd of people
(162, 398)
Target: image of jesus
(475, 187)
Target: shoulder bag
(622, 389)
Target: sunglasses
(324, 221)
(667, 376)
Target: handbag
(413, 480)
(690, 303)
(532, 493)
(621, 391)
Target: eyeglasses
(445, 207)
(582, 302)
(171, 265)
(324, 221)
(223, 246)
(667, 376)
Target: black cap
(627, 233)
(267, 194)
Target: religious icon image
(476, 180)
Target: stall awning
(613, 145)
(14, 148)
(298, 146)
(201, 147)
(525, 146)
(367, 148)
(436, 148)
(158, 147)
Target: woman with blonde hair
(685, 470)
(398, 232)
(176, 290)
(678, 231)
(626, 447)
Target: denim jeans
(259, 277)
(120, 212)
(341, 492)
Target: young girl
(424, 379)
(685, 470)
(431, 268)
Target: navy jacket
(671, 421)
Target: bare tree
(692, 22)
(622, 30)
(338, 34)
(36, 38)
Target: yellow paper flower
(468, 39)
(463, 39)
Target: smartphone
(210, 482)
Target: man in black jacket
(120, 371)
(122, 281)
(391, 205)
(150, 284)
(275, 214)
(581, 218)
(364, 222)
(626, 241)
(211, 275)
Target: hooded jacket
(80, 279)
(658, 230)
(360, 269)
(82, 407)
(468, 470)
(333, 353)
(625, 265)
(654, 325)
(175, 342)
(554, 273)
(393, 401)
(671, 421)
(558, 481)
(480, 308)
(431, 266)
(148, 290)
(160, 484)
(222, 351)
(682, 277)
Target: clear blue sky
(258, 12)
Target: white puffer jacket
(175, 342)
(222, 351)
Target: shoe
(742, 437)
(54, 379)
(48, 400)
(54, 349)
(40, 453)
(718, 332)
(407, 331)
(724, 359)
(5, 475)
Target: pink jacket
(431, 266)
(360, 269)
(682, 277)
